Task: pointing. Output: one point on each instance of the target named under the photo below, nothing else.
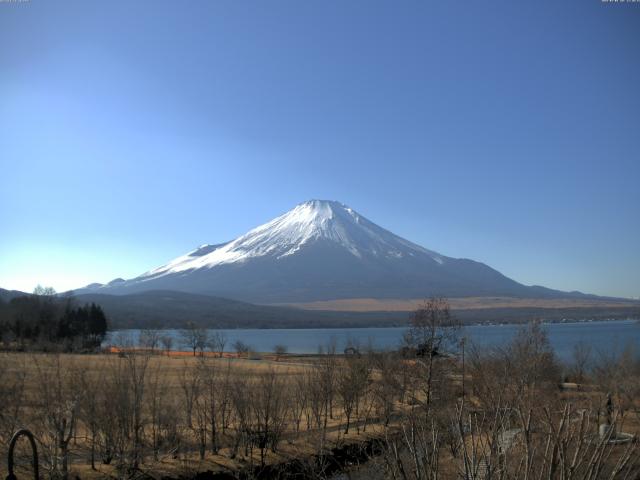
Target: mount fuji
(322, 250)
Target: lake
(603, 336)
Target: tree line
(46, 321)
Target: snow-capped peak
(312, 221)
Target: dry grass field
(135, 414)
(182, 380)
(467, 303)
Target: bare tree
(91, 388)
(327, 369)
(415, 452)
(299, 394)
(111, 411)
(269, 409)
(618, 374)
(149, 339)
(167, 343)
(190, 386)
(280, 350)
(217, 343)
(121, 411)
(241, 348)
(213, 393)
(56, 410)
(523, 373)
(433, 331)
(159, 409)
(241, 405)
(581, 360)
(200, 409)
(12, 394)
(351, 385)
(320, 388)
(388, 388)
(41, 291)
(195, 338)
(136, 369)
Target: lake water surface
(603, 336)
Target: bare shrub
(149, 339)
(56, 411)
(217, 343)
(167, 343)
(241, 348)
(433, 332)
(352, 383)
(194, 338)
(12, 395)
(280, 350)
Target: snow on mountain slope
(288, 233)
(322, 250)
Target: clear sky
(503, 131)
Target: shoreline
(385, 327)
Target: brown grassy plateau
(466, 303)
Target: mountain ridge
(323, 250)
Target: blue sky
(507, 132)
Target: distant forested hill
(170, 309)
(160, 309)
